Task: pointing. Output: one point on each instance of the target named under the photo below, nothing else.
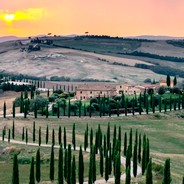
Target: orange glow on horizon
(104, 17)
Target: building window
(80, 92)
(120, 86)
(90, 92)
(100, 92)
(81, 98)
(91, 97)
(84, 97)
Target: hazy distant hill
(8, 38)
(150, 37)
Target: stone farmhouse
(87, 91)
(163, 83)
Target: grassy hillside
(165, 132)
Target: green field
(165, 132)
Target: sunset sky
(107, 17)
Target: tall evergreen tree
(39, 137)
(118, 169)
(59, 135)
(73, 171)
(144, 155)
(147, 152)
(47, 135)
(81, 167)
(125, 143)
(168, 81)
(175, 81)
(139, 149)
(35, 110)
(69, 159)
(64, 138)
(60, 166)
(38, 170)
(13, 109)
(4, 110)
(69, 108)
(130, 141)
(52, 164)
(105, 145)
(53, 137)
(13, 130)
(149, 177)
(91, 137)
(23, 134)
(108, 135)
(135, 160)
(167, 173)
(101, 161)
(128, 176)
(106, 166)
(85, 140)
(73, 137)
(15, 175)
(33, 131)
(128, 158)
(26, 136)
(9, 135)
(65, 164)
(110, 160)
(31, 176)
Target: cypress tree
(133, 107)
(3, 134)
(9, 135)
(33, 131)
(167, 173)
(60, 166)
(91, 137)
(139, 149)
(168, 80)
(4, 110)
(183, 180)
(69, 158)
(101, 161)
(84, 109)
(87, 130)
(85, 140)
(58, 113)
(13, 130)
(23, 134)
(13, 109)
(73, 137)
(136, 137)
(47, 135)
(31, 176)
(52, 164)
(128, 158)
(64, 138)
(21, 103)
(125, 143)
(96, 142)
(108, 135)
(39, 139)
(110, 160)
(119, 137)
(126, 101)
(128, 176)
(118, 169)
(25, 108)
(15, 175)
(81, 167)
(73, 171)
(175, 81)
(135, 160)
(94, 163)
(147, 152)
(65, 164)
(149, 177)
(53, 137)
(140, 104)
(69, 108)
(160, 104)
(35, 110)
(170, 103)
(144, 156)
(59, 135)
(80, 105)
(130, 142)
(26, 136)
(106, 166)
(105, 145)
(38, 171)
(90, 174)
(47, 111)
(147, 105)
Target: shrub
(161, 90)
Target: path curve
(123, 159)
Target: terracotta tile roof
(89, 87)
